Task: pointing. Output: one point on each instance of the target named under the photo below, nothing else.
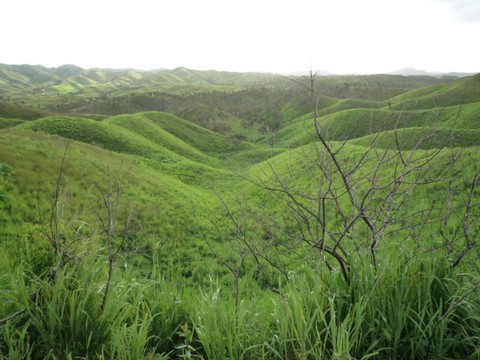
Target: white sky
(339, 36)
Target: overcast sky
(339, 36)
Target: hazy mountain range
(417, 72)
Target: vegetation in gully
(177, 214)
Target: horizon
(341, 37)
(321, 72)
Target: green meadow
(178, 214)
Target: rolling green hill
(143, 213)
(14, 111)
(211, 118)
(362, 120)
(423, 138)
(101, 134)
(159, 193)
(143, 125)
(460, 92)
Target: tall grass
(415, 308)
(227, 332)
(63, 316)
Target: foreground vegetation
(257, 227)
(408, 308)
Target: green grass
(423, 138)
(103, 134)
(343, 125)
(348, 104)
(204, 245)
(12, 111)
(441, 194)
(163, 195)
(356, 123)
(410, 309)
(6, 123)
(211, 118)
(142, 125)
(461, 92)
(203, 139)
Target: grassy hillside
(144, 124)
(14, 111)
(461, 92)
(350, 124)
(434, 189)
(423, 138)
(99, 133)
(168, 202)
(211, 118)
(5, 123)
(363, 118)
(221, 227)
(203, 139)
(247, 106)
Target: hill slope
(460, 92)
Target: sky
(338, 36)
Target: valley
(179, 213)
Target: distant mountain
(306, 73)
(69, 70)
(417, 72)
(31, 80)
(458, 74)
(19, 82)
(226, 102)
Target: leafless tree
(235, 228)
(57, 226)
(367, 195)
(115, 216)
